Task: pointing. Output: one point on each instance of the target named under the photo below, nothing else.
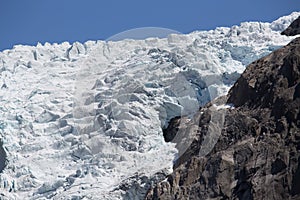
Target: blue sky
(32, 21)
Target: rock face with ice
(257, 155)
(293, 29)
(86, 121)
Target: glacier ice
(85, 120)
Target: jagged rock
(2, 157)
(269, 82)
(138, 184)
(173, 127)
(257, 155)
(293, 29)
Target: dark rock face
(257, 155)
(2, 157)
(172, 129)
(293, 29)
(271, 83)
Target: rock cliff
(293, 29)
(257, 154)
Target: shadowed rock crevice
(170, 132)
(243, 189)
(296, 181)
(2, 157)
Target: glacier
(85, 121)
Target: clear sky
(32, 21)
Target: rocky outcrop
(257, 155)
(2, 157)
(173, 127)
(293, 29)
